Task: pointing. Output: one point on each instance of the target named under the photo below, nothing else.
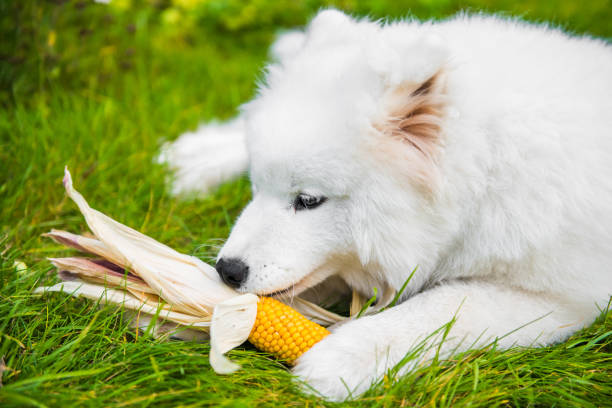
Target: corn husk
(135, 271)
(141, 274)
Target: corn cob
(282, 331)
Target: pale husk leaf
(314, 312)
(87, 245)
(186, 282)
(122, 298)
(89, 271)
(231, 325)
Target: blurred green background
(84, 44)
(99, 87)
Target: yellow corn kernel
(282, 331)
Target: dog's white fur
(506, 210)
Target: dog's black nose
(233, 271)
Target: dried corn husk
(141, 274)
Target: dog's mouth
(311, 279)
(291, 290)
(317, 276)
(279, 293)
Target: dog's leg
(359, 353)
(203, 159)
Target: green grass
(99, 88)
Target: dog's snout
(232, 271)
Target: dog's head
(343, 142)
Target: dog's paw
(341, 366)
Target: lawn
(99, 87)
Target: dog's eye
(307, 202)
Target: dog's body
(478, 149)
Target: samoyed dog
(477, 150)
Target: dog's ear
(327, 26)
(414, 114)
(331, 26)
(287, 44)
(410, 129)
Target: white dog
(477, 149)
